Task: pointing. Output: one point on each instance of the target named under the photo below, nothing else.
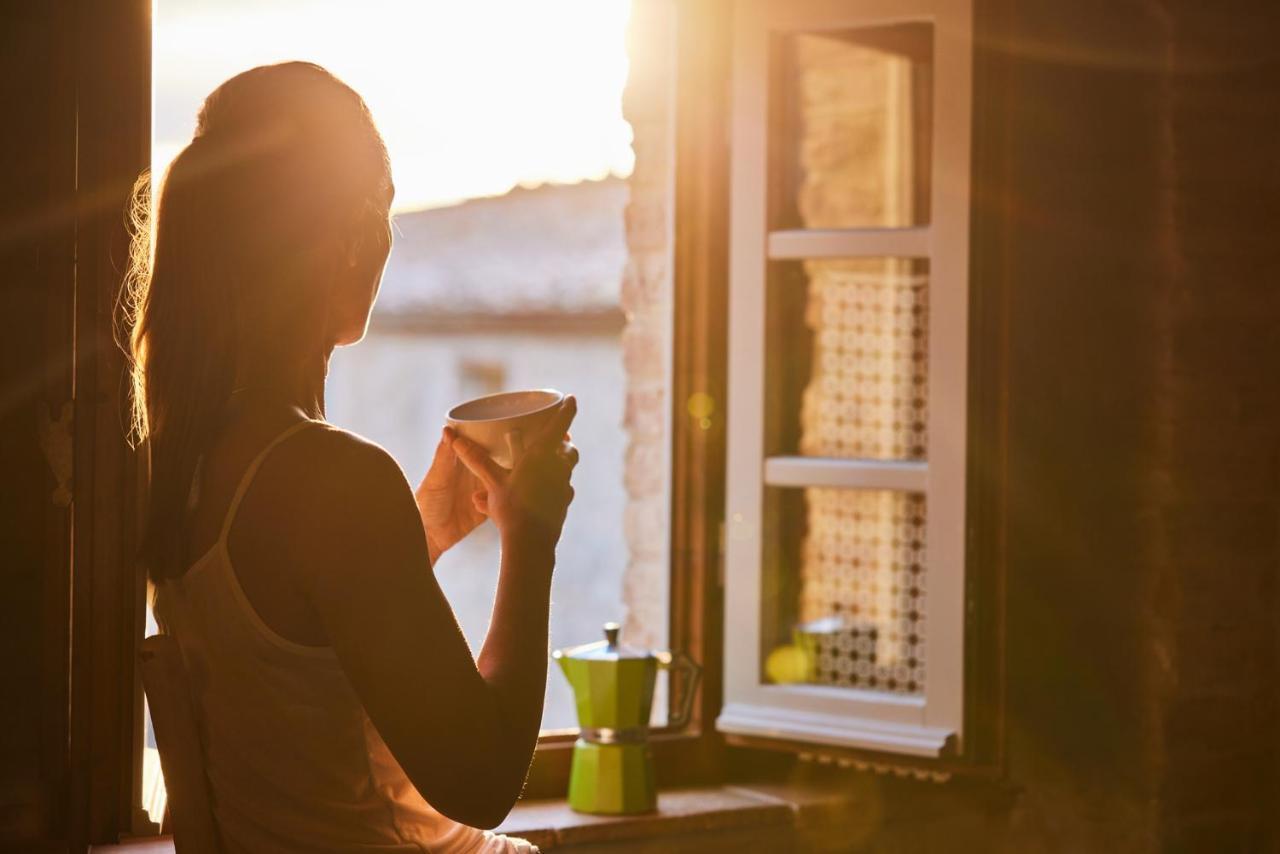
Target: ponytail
(221, 285)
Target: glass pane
(155, 797)
(854, 114)
(849, 376)
(507, 267)
(844, 589)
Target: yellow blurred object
(789, 663)
(701, 405)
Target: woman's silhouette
(340, 705)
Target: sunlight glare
(472, 98)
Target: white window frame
(931, 723)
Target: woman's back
(293, 760)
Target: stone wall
(646, 341)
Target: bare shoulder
(331, 458)
(342, 492)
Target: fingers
(558, 426)
(568, 411)
(569, 453)
(444, 450)
(479, 462)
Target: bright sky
(472, 96)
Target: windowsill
(771, 817)
(717, 818)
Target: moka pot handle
(678, 661)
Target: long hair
(225, 285)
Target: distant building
(512, 292)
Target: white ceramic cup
(503, 423)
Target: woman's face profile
(359, 276)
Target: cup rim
(557, 397)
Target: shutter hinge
(720, 554)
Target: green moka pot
(612, 770)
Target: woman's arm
(464, 734)
(528, 508)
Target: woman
(340, 705)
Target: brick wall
(646, 340)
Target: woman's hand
(529, 503)
(446, 500)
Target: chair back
(173, 716)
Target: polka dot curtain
(862, 561)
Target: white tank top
(294, 763)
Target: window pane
(155, 796)
(845, 589)
(853, 111)
(849, 358)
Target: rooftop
(553, 249)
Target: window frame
(110, 62)
(696, 43)
(932, 724)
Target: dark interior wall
(1087, 194)
(1143, 421)
(37, 103)
(74, 135)
(1215, 530)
